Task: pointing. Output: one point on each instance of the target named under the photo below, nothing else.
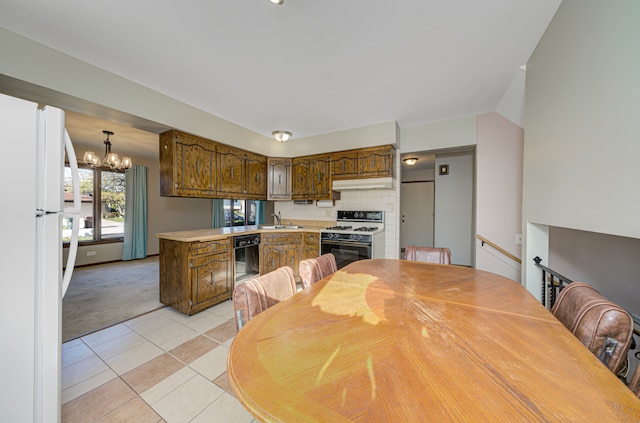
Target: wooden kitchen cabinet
(344, 164)
(195, 275)
(312, 177)
(320, 169)
(281, 249)
(311, 247)
(187, 165)
(279, 178)
(241, 174)
(256, 181)
(375, 162)
(300, 178)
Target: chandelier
(110, 159)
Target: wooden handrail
(502, 250)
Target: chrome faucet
(278, 218)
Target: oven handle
(345, 243)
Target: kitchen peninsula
(197, 266)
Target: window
(102, 209)
(238, 209)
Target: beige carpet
(106, 294)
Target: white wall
(581, 139)
(499, 193)
(454, 206)
(582, 125)
(439, 136)
(609, 263)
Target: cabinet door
(344, 164)
(211, 277)
(300, 188)
(231, 172)
(272, 258)
(188, 165)
(256, 177)
(291, 258)
(279, 185)
(319, 167)
(374, 162)
(311, 246)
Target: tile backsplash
(387, 200)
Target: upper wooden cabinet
(187, 165)
(375, 162)
(279, 178)
(231, 172)
(191, 166)
(241, 174)
(344, 164)
(256, 177)
(300, 188)
(372, 162)
(311, 177)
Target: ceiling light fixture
(410, 161)
(278, 2)
(281, 135)
(110, 159)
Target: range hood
(369, 183)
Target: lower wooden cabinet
(195, 275)
(281, 249)
(311, 245)
(287, 249)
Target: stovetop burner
(366, 229)
(340, 228)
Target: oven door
(247, 263)
(345, 251)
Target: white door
(416, 207)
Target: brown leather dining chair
(428, 254)
(314, 269)
(254, 296)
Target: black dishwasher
(246, 256)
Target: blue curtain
(217, 213)
(260, 212)
(135, 214)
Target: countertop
(212, 234)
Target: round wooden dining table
(399, 341)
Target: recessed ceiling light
(278, 2)
(410, 161)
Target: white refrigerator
(33, 147)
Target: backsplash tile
(387, 200)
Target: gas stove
(357, 222)
(359, 235)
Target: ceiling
(309, 66)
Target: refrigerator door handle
(73, 212)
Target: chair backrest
(428, 254)
(254, 296)
(314, 269)
(602, 326)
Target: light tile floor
(163, 366)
